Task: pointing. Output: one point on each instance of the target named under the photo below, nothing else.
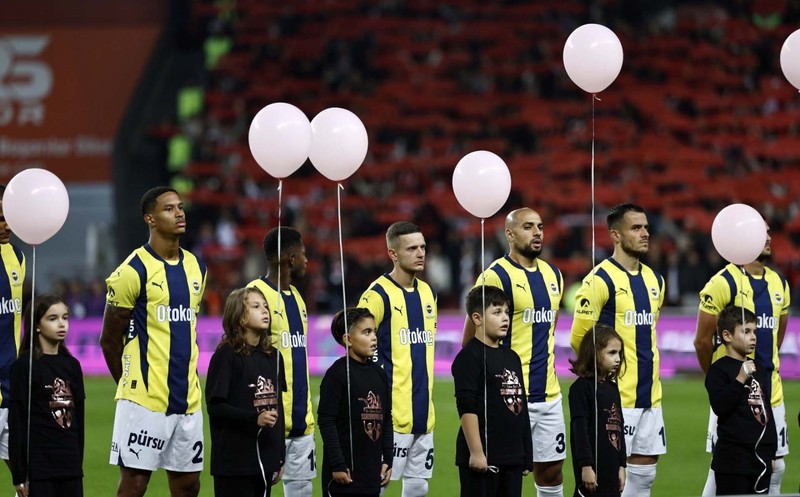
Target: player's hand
(386, 474)
(589, 479)
(621, 479)
(526, 472)
(276, 476)
(22, 489)
(342, 477)
(746, 371)
(477, 462)
(267, 418)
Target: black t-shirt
(371, 414)
(611, 439)
(57, 418)
(743, 414)
(238, 388)
(507, 405)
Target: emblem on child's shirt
(265, 395)
(755, 401)
(61, 404)
(372, 416)
(614, 426)
(511, 391)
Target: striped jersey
(768, 297)
(630, 303)
(159, 356)
(406, 321)
(534, 297)
(12, 277)
(289, 328)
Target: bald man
(534, 288)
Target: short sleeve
(590, 298)
(123, 287)
(491, 279)
(715, 296)
(374, 302)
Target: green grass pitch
(681, 472)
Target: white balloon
(481, 183)
(35, 205)
(739, 233)
(339, 143)
(280, 139)
(593, 57)
(790, 59)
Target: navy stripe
(540, 334)
(764, 335)
(731, 286)
(180, 343)
(644, 342)
(299, 366)
(505, 280)
(8, 343)
(19, 254)
(139, 318)
(385, 334)
(608, 314)
(419, 363)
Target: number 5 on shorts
(429, 460)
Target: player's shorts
(413, 456)
(4, 434)
(148, 440)
(645, 434)
(548, 431)
(779, 412)
(301, 458)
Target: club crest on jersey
(429, 310)
(553, 288)
(653, 293)
(15, 277)
(511, 391)
(777, 297)
(196, 287)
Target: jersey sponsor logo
(167, 314)
(399, 309)
(639, 318)
(511, 391)
(630, 430)
(621, 291)
(10, 306)
(159, 285)
(584, 308)
(536, 316)
(707, 302)
(291, 340)
(111, 293)
(522, 286)
(400, 451)
(764, 322)
(142, 439)
(415, 336)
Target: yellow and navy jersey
(406, 321)
(768, 297)
(159, 356)
(630, 303)
(289, 328)
(534, 297)
(12, 277)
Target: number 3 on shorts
(561, 444)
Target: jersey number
(429, 460)
(782, 434)
(312, 461)
(561, 444)
(198, 458)
(663, 436)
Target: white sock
(777, 477)
(710, 489)
(297, 488)
(640, 480)
(415, 487)
(557, 491)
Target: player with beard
(534, 288)
(627, 295)
(766, 294)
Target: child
(54, 464)
(606, 476)
(491, 402)
(746, 438)
(366, 467)
(245, 378)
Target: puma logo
(135, 453)
(399, 309)
(159, 285)
(622, 290)
(520, 286)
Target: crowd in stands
(700, 117)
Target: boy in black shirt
(746, 429)
(491, 401)
(355, 412)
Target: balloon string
(339, 189)
(594, 296)
(276, 339)
(32, 326)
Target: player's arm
(782, 323)
(589, 300)
(116, 321)
(704, 339)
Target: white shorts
(148, 440)
(548, 431)
(413, 456)
(779, 412)
(301, 458)
(4, 434)
(645, 434)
